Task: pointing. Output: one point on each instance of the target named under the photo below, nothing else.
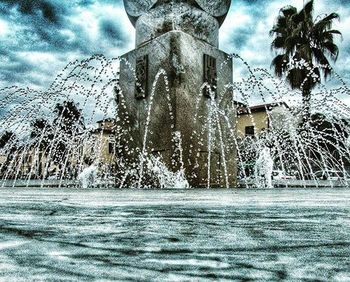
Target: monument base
(164, 111)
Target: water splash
(88, 176)
(164, 177)
(43, 138)
(263, 169)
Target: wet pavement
(174, 235)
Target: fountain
(170, 114)
(174, 82)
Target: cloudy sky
(39, 37)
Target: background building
(104, 142)
(33, 161)
(252, 121)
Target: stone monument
(179, 37)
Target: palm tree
(304, 45)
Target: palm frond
(288, 11)
(323, 62)
(279, 65)
(298, 37)
(326, 22)
(334, 31)
(308, 8)
(295, 78)
(332, 49)
(278, 42)
(305, 52)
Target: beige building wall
(105, 148)
(28, 162)
(259, 120)
(99, 146)
(2, 159)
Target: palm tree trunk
(306, 111)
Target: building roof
(106, 126)
(239, 103)
(244, 109)
(102, 130)
(106, 120)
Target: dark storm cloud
(86, 2)
(43, 35)
(40, 22)
(14, 69)
(240, 37)
(43, 22)
(90, 2)
(111, 30)
(39, 10)
(54, 27)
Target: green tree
(304, 46)
(38, 126)
(6, 138)
(9, 142)
(68, 122)
(329, 138)
(69, 118)
(41, 132)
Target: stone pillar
(178, 40)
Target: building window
(111, 148)
(249, 131)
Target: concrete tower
(181, 38)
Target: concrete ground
(174, 235)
